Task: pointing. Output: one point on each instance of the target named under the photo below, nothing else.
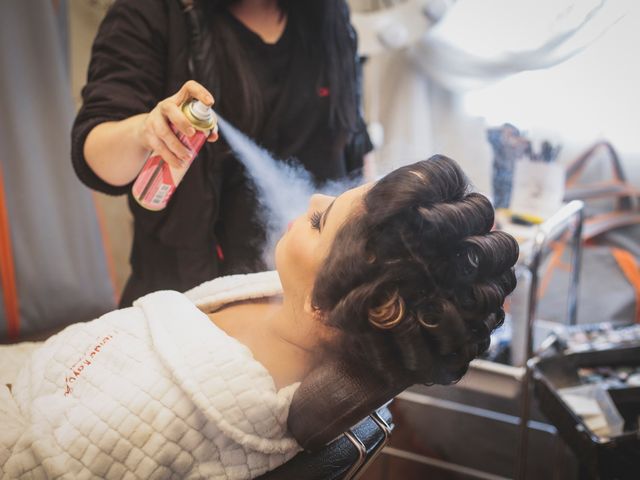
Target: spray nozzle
(200, 110)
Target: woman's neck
(263, 17)
(276, 335)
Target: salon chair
(342, 422)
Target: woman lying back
(403, 278)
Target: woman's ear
(311, 310)
(321, 330)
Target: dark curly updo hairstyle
(415, 282)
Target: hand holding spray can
(157, 180)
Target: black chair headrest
(333, 398)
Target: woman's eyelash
(315, 220)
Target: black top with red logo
(139, 57)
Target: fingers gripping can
(157, 180)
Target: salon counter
(470, 430)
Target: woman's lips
(289, 226)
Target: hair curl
(416, 281)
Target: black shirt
(139, 57)
(295, 121)
(270, 63)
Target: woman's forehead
(358, 192)
(347, 203)
(351, 198)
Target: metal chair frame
(357, 469)
(570, 217)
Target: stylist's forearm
(114, 150)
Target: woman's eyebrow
(326, 214)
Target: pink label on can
(158, 180)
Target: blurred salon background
(439, 73)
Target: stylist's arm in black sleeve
(124, 115)
(116, 151)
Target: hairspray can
(157, 180)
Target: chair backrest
(332, 399)
(346, 458)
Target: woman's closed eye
(314, 219)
